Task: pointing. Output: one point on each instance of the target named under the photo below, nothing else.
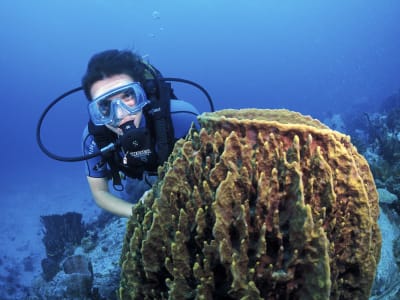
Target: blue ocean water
(315, 57)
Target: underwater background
(320, 58)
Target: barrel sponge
(258, 204)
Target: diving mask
(113, 106)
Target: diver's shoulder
(182, 106)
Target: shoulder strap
(158, 113)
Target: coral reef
(89, 270)
(60, 231)
(384, 132)
(74, 281)
(50, 268)
(387, 280)
(79, 271)
(377, 136)
(260, 204)
(61, 234)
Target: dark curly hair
(112, 62)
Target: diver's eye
(104, 107)
(128, 94)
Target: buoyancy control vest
(141, 149)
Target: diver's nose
(120, 112)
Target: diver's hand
(144, 196)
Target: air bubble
(156, 15)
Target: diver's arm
(106, 200)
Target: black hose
(111, 146)
(39, 128)
(210, 102)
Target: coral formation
(260, 204)
(61, 234)
(60, 231)
(78, 276)
(86, 272)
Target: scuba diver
(135, 119)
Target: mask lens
(124, 95)
(130, 93)
(104, 107)
(107, 109)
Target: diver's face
(107, 84)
